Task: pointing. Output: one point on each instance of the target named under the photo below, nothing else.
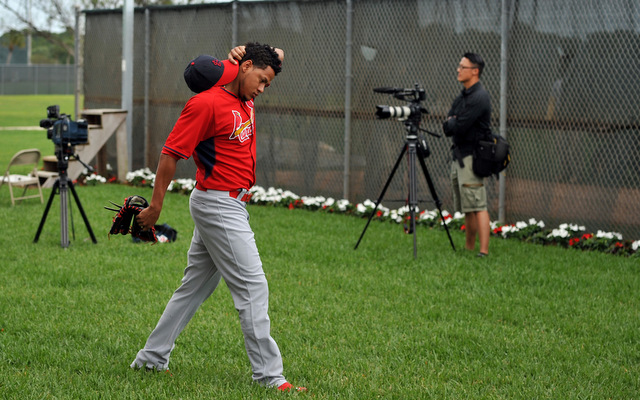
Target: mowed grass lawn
(528, 322)
(27, 111)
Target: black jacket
(471, 119)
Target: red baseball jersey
(218, 130)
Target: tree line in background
(43, 51)
(49, 46)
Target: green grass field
(27, 111)
(528, 322)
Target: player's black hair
(476, 60)
(263, 56)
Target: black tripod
(61, 185)
(416, 147)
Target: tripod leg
(56, 185)
(73, 227)
(64, 219)
(386, 186)
(436, 200)
(413, 196)
(84, 216)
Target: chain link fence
(563, 75)
(37, 79)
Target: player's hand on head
(280, 53)
(236, 54)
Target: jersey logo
(242, 130)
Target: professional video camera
(62, 130)
(416, 149)
(413, 110)
(65, 134)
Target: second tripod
(415, 147)
(61, 186)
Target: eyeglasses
(464, 67)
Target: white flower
(428, 215)
(96, 177)
(312, 201)
(608, 235)
(289, 195)
(521, 225)
(343, 204)
(403, 210)
(395, 216)
(509, 229)
(635, 245)
(561, 233)
(368, 203)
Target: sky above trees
(58, 15)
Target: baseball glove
(125, 220)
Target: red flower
(379, 213)
(497, 230)
(463, 228)
(112, 179)
(619, 245)
(291, 206)
(573, 241)
(587, 236)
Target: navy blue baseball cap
(204, 72)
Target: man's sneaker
(285, 387)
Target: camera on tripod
(65, 134)
(413, 111)
(416, 149)
(62, 130)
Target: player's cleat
(285, 387)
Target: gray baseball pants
(223, 245)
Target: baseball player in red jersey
(217, 128)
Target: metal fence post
(504, 36)
(234, 24)
(347, 102)
(147, 46)
(127, 76)
(78, 82)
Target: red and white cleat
(285, 387)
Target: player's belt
(241, 194)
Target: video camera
(62, 130)
(413, 110)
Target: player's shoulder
(205, 98)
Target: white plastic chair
(23, 157)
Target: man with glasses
(468, 120)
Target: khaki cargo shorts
(469, 193)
